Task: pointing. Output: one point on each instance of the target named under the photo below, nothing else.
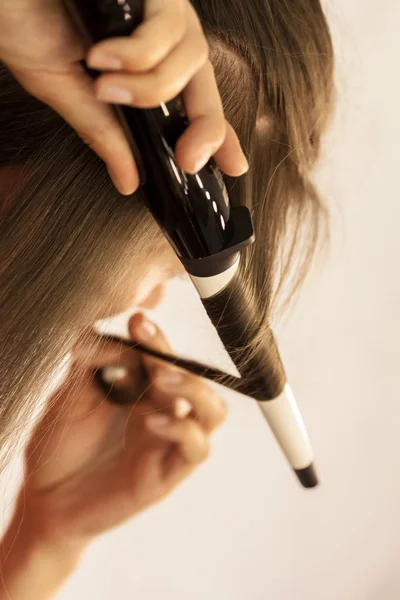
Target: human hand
(92, 464)
(166, 55)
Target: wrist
(45, 526)
(31, 567)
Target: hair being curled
(67, 238)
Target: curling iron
(207, 234)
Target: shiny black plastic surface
(192, 210)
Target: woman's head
(71, 246)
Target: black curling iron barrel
(207, 235)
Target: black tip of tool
(308, 476)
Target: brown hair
(68, 239)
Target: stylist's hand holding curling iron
(166, 55)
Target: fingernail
(105, 62)
(115, 180)
(182, 408)
(115, 95)
(111, 374)
(124, 187)
(202, 159)
(145, 330)
(168, 378)
(158, 421)
(244, 167)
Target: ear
(155, 297)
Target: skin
(126, 460)
(92, 464)
(132, 456)
(166, 55)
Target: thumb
(70, 93)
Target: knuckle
(155, 91)
(141, 60)
(176, 23)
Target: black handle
(192, 210)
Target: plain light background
(241, 528)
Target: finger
(191, 440)
(71, 95)
(209, 409)
(161, 84)
(171, 382)
(143, 330)
(208, 131)
(165, 22)
(230, 157)
(175, 406)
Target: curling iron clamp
(207, 235)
